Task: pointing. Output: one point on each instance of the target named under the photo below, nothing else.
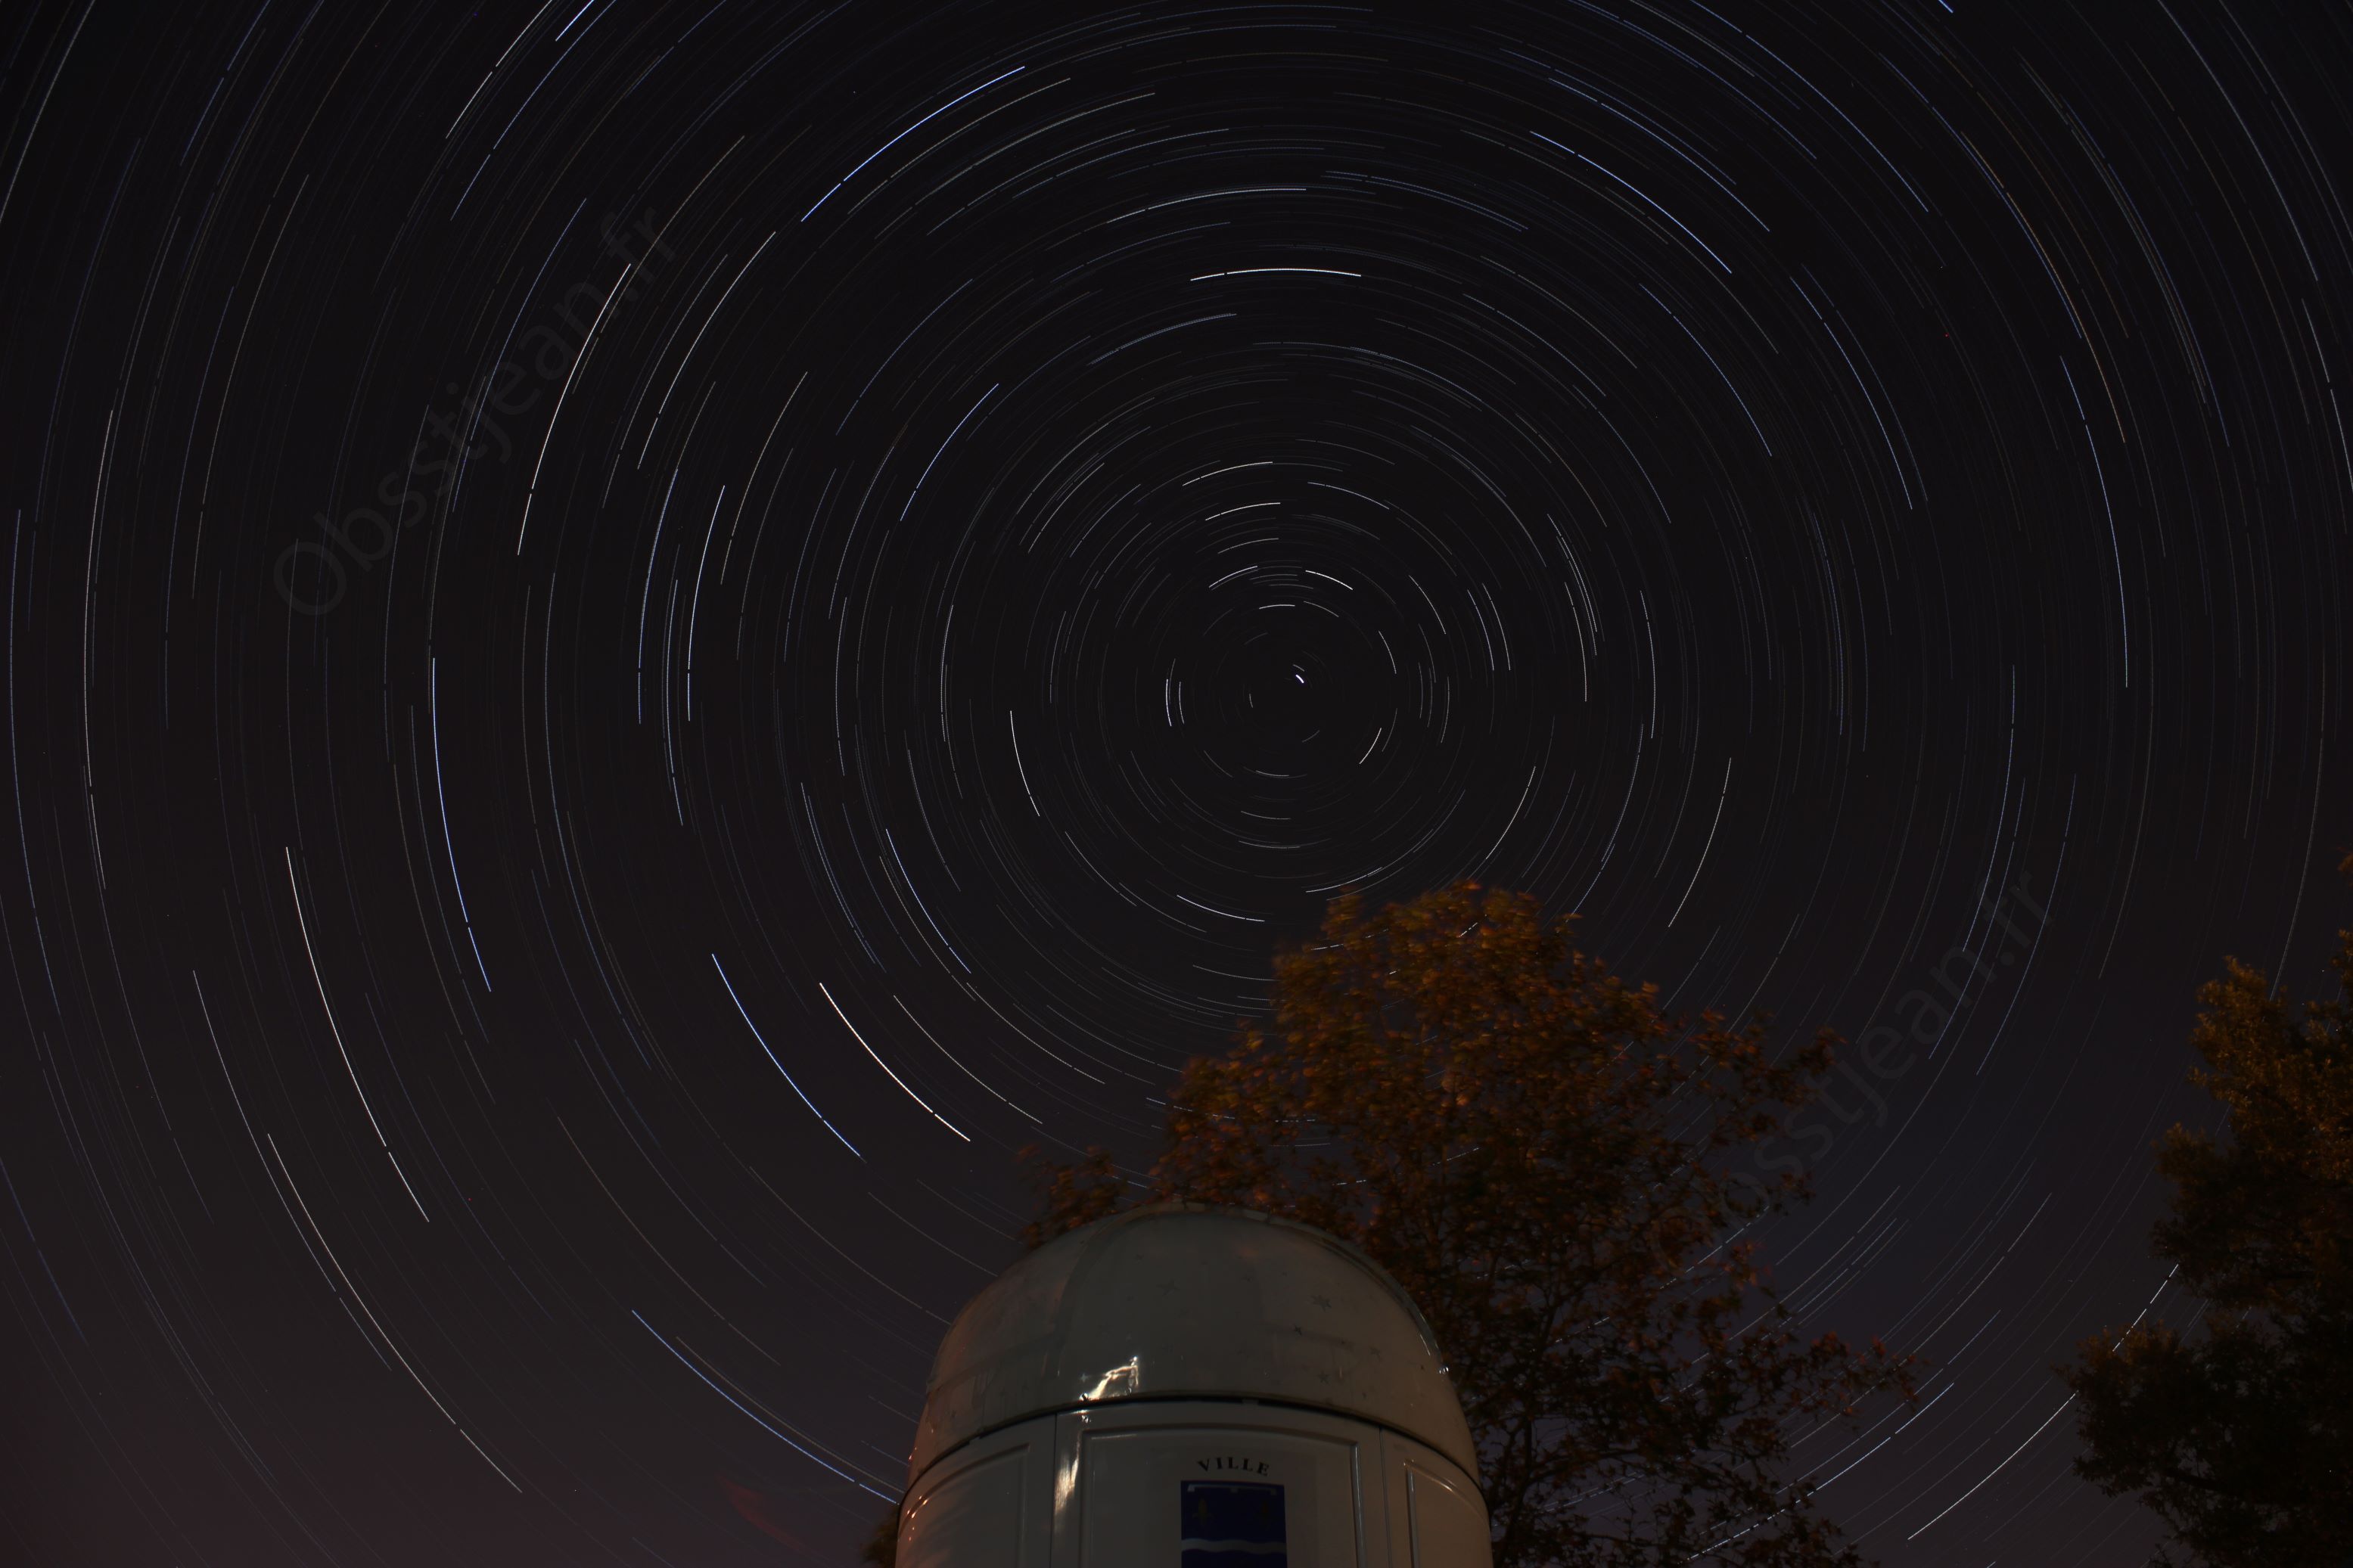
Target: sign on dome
(1233, 1524)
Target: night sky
(641, 637)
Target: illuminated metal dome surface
(1192, 1301)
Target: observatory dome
(1188, 1302)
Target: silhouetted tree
(2240, 1435)
(882, 1548)
(1541, 1158)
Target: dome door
(1176, 1494)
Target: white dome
(1185, 1300)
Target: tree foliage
(2241, 1437)
(882, 1548)
(1539, 1155)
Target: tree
(882, 1548)
(1539, 1156)
(2241, 1437)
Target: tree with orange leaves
(1541, 1157)
(2240, 1437)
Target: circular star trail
(641, 638)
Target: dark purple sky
(640, 639)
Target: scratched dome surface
(1183, 1300)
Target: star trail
(640, 639)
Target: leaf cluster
(2239, 1436)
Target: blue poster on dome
(1233, 1524)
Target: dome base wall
(1193, 1483)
